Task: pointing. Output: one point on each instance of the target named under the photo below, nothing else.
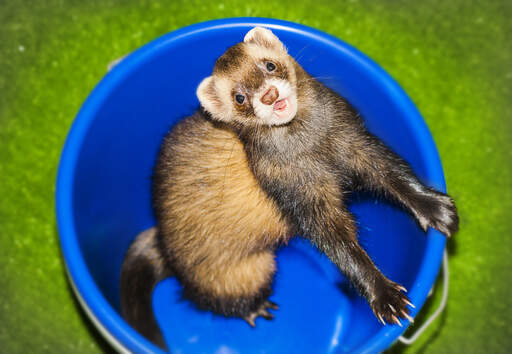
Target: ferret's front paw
(439, 212)
(391, 303)
(261, 311)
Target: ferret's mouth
(279, 112)
(282, 108)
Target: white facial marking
(282, 110)
(258, 34)
(259, 53)
(254, 32)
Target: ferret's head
(253, 83)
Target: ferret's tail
(143, 267)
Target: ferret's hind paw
(391, 304)
(261, 311)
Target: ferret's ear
(264, 37)
(208, 97)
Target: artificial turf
(452, 57)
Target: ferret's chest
(290, 163)
(215, 196)
(298, 175)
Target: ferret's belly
(220, 225)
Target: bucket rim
(115, 329)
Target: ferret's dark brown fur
(234, 181)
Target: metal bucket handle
(438, 311)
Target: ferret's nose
(270, 96)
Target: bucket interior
(111, 186)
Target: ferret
(271, 153)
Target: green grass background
(454, 58)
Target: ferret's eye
(270, 66)
(240, 98)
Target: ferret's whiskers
(297, 57)
(317, 78)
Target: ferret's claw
(250, 319)
(271, 305)
(401, 288)
(409, 303)
(396, 320)
(392, 308)
(261, 311)
(406, 315)
(381, 319)
(265, 314)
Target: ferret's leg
(338, 240)
(380, 170)
(318, 213)
(234, 287)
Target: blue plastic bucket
(103, 198)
